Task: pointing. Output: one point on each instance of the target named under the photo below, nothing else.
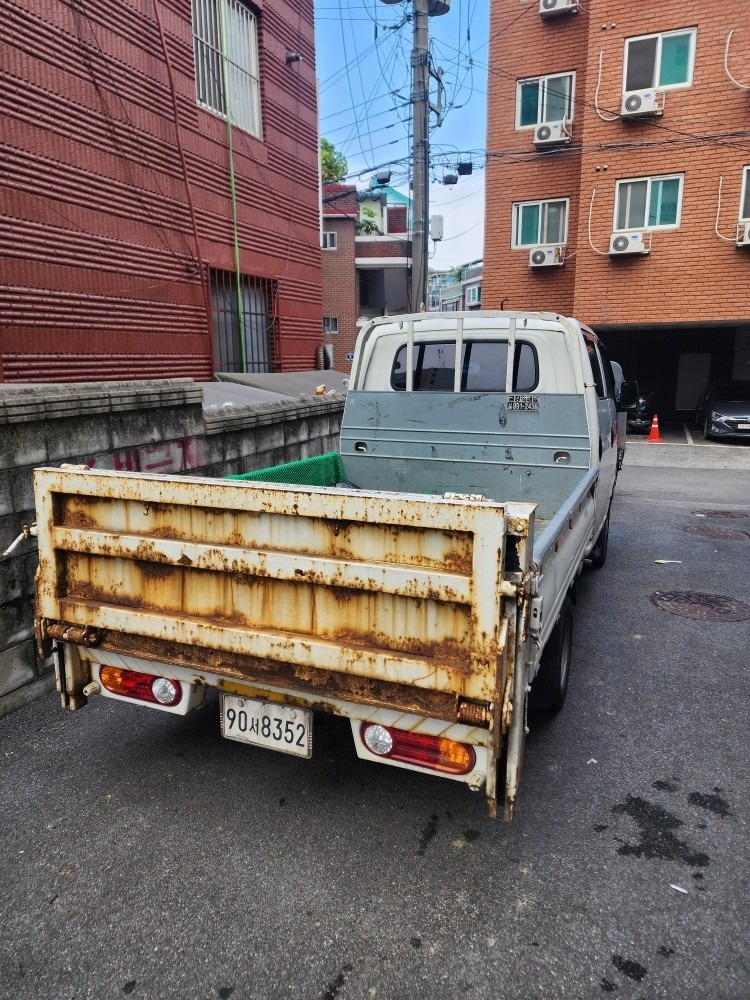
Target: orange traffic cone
(653, 434)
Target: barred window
(227, 75)
(242, 323)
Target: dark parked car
(724, 410)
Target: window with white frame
(745, 197)
(330, 324)
(544, 99)
(329, 240)
(227, 75)
(536, 222)
(474, 295)
(649, 202)
(664, 60)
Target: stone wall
(155, 427)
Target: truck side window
(609, 377)
(596, 368)
(483, 369)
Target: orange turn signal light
(420, 749)
(143, 687)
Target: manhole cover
(701, 607)
(707, 531)
(726, 514)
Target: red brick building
(159, 194)
(618, 180)
(365, 274)
(340, 292)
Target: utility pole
(421, 107)
(420, 156)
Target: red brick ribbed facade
(100, 274)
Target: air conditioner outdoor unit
(549, 7)
(743, 234)
(551, 133)
(547, 256)
(624, 243)
(641, 104)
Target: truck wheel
(598, 555)
(550, 685)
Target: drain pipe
(232, 182)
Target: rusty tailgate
(380, 592)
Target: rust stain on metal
(458, 561)
(473, 713)
(239, 666)
(518, 526)
(444, 653)
(77, 519)
(154, 570)
(83, 635)
(167, 533)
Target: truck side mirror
(628, 395)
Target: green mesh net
(323, 470)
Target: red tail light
(434, 752)
(144, 687)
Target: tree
(333, 165)
(367, 224)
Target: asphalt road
(141, 855)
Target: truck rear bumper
(92, 662)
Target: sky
(363, 50)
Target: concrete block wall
(146, 426)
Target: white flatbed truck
(422, 589)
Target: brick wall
(690, 276)
(155, 427)
(340, 296)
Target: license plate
(267, 724)
(743, 427)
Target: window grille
(227, 75)
(253, 325)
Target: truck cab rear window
(483, 367)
